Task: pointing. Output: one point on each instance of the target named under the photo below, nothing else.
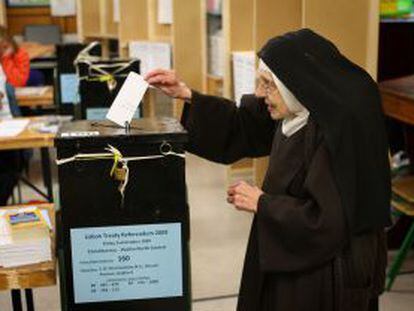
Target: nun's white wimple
(292, 124)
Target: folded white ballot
(128, 99)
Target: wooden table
(398, 99)
(30, 139)
(33, 101)
(30, 276)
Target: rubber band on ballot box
(118, 159)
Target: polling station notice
(126, 262)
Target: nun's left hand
(244, 197)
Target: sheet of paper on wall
(117, 11)
(244, 74)
(152, 55)
(12, 128)
(216, 58)
(128, 99)
(165, 11)
(63, 7)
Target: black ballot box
(99, 82)
(67, 81)
(124, 227)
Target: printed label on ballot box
(126, 262)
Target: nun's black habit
(317, 241)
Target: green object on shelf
(396, 8)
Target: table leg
(47, 173)
(16, 300)
(29, 299)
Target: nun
(317, 238)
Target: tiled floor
(218, 241)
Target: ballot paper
(128, 99)
(152, 55)
(244, 74)
(12, 128)
(165, 12)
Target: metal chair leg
(29, 299)
(16, 300)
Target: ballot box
(99, 82)
(67, 82)
(124, 227)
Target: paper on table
(31, 91)
(165, 12)
(152, 55)
(244, 74)
(128, 99)
(25, 247)
(12, 128)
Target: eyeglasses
(266, 85)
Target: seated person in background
(15, 61)
(10, 160)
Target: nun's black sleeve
(300, 233)
(221, 132)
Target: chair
(44, 34)
(403, 204)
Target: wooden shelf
(215, 85)
(246, 26)
(3, 14)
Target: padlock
(111, 84)
(120, 173)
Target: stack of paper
(12, 128)
(216, 54)
(153, 55)
(244, 74)
(24, 245)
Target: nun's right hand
(168, 82)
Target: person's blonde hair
(4, 36)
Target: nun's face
(267, 89)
